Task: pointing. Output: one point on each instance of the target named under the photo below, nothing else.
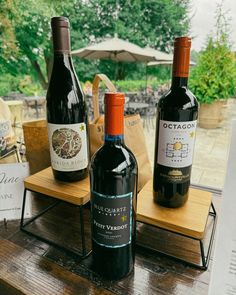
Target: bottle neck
(61, 40)
(180, 71)
(114, 124)
(179, 82)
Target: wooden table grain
(31, 267)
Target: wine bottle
(66, 111)
(177, 113)
(113, 180)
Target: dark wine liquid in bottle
(113, 179)
(177, 113)
(66, 111)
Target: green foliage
(194, 56)
(8, 83)
(146, 22)
(28, 87)
(21, 84)
(152, 23)
(25, 45)
(214, 77)
(137, 85)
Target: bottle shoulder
(64, 81)
(115, 158)
(65, 99)
(180, 97)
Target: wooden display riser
(43, 182)
(189, 220)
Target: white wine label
(111, 219)
(68, 146)
(176, 143)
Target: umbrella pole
(116, 71)
(146, 80)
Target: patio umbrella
(160, 58)
(159, 55)
(115, 49)
(120, 50)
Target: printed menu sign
(11, 190)
(223, 278)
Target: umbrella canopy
(159, 55)
(117, 50)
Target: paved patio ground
(211, 150)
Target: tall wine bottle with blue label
(176, 123)
(113, 179)
(66, 110)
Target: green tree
(144, 22)
(25, 31)
(29, 46)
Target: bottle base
(113, 264)
(72, 176)
(109, 277)
(174, 201)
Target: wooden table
(28, 266)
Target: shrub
(8, 83)
(28, 87)
(214, 76)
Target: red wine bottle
(113, 180)
(66, 111)
(177, 113)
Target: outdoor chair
(149, 116)
(37, 104)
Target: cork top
(60, 21)
(182, 42)
(61, 34)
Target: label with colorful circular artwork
(68, 146)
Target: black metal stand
(204, 258)
(13, 150)
(23, 226)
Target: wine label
(176, 143)
(175, 175)
(68, 146)
(111, 219)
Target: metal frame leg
(23, 209)
(82, 230)
(14, 149)
(24, 224)
(204, 259)
(204, 264)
